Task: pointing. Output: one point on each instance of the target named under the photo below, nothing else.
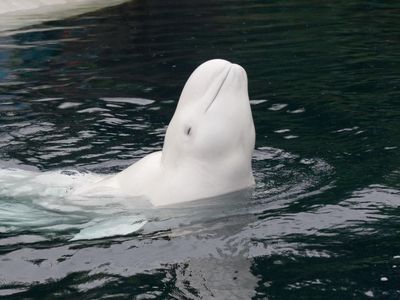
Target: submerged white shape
(15, 14)
(40, 201)
(208, 145)
(111, 227)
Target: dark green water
(323, 221)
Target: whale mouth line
(219, 89)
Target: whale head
(212, 130)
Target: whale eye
(188, 130)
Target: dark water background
(323, 221)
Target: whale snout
(221, 65)
(237, 68)
(216, 80)
(239, 76)
(231, 84)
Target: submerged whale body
(207, 148)
(15, 14)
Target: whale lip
(219, 88)
(229, 68)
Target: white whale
(15, 14)
(208, 145)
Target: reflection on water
(89, 95)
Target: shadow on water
(94, 93)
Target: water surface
(89, 95)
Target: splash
(41, 201)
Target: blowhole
(188, 130)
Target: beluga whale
(207, 148)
